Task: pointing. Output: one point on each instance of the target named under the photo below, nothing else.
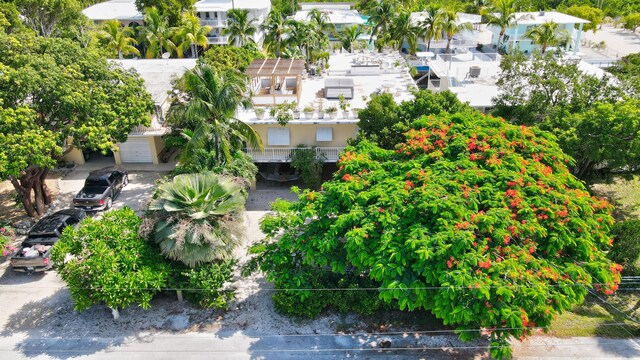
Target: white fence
(331, 154)
(218, 39)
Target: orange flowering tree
(473, 219)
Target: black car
(100, 188)
(33, 255)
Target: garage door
(135, 150)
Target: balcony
(213, 23)
(218, 39)
(283, 154)
(154, 129)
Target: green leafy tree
(547, 34)
(501, 13)
(190, 34)
(627, 69)
(594, 15)
(157, 34)
(450, 26)
(240, 28)
(473, 219)
(432, 23)
(275, 28)
(79, 101)
(10, 21)
(172, 10)
(227, 57)
(626, 246)
(196, 218)
(119, 39)
(631, 22)
(210, 103)
(105, 261)
(304, 159)
(349, 36)
(384, 121)
(402, 29)
(50, 17)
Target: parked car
(33, 255)
(100, 188)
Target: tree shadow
(11, 277)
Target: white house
(124, 11)
(214, 14)
(466, 39)
(514, 36)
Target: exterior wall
(218, 20)
(156, 145)
(516, 39)
(75, 156)
(306, 134)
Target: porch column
(576, 45)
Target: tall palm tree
(432, 23)
(547, 34)
(349, 36)
(501, 13)
(380, 17)
(156, 33)
(275, 27)
(214, 98)
(119, 38)
(239, 28)
(402, 29)
(320, 21)
(451, 27)
(191, 34)
(197, 218)
(305, 37)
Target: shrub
(6, 241)
(626, 246)
(104, 261)
(471, 218)
(205, 283)
(305, 160)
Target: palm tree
(380, 16)
(275, 27)
(239, 28)
(156, 33)
(320, 21)
(402, 28)
(191, 34)
(305, 37)
(432, 23)
(196, 218)
(349, 36)
(214, 98)
(547, 34)
(501, 13)
(119, 38)
(451, 27)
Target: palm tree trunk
(446, 51)
(217, 141)
(120, 55)
(194, 52)
(429, 44)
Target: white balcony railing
(150, 130)
(331, 154)
(214, 23)
(218, 39)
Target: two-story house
(214, 13)
(514, 37)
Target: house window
(206, 15)
(278, 136)
(324, 134)
(215, 15)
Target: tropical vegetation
(240, 28)
(547, 34)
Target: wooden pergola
(277, 70)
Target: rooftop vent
(541, 13)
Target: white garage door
(135, 150)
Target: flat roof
(276, 67)
(158, 73)
(417, 17)
(335, 16)
(541, 17)
(226, 5)
(113, 9)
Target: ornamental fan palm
(157, 34)
(240, 29)
(119, 38)
(402, 29)
(547, 34)
(198, 218)
(275, 27)
(451, 27)
(349, 36)
(191, 34)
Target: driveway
(135, 195)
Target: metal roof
(276, 67)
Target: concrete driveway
(135, 195)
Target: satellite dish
(166, 55)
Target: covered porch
(274, 81)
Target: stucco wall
(306, 134)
